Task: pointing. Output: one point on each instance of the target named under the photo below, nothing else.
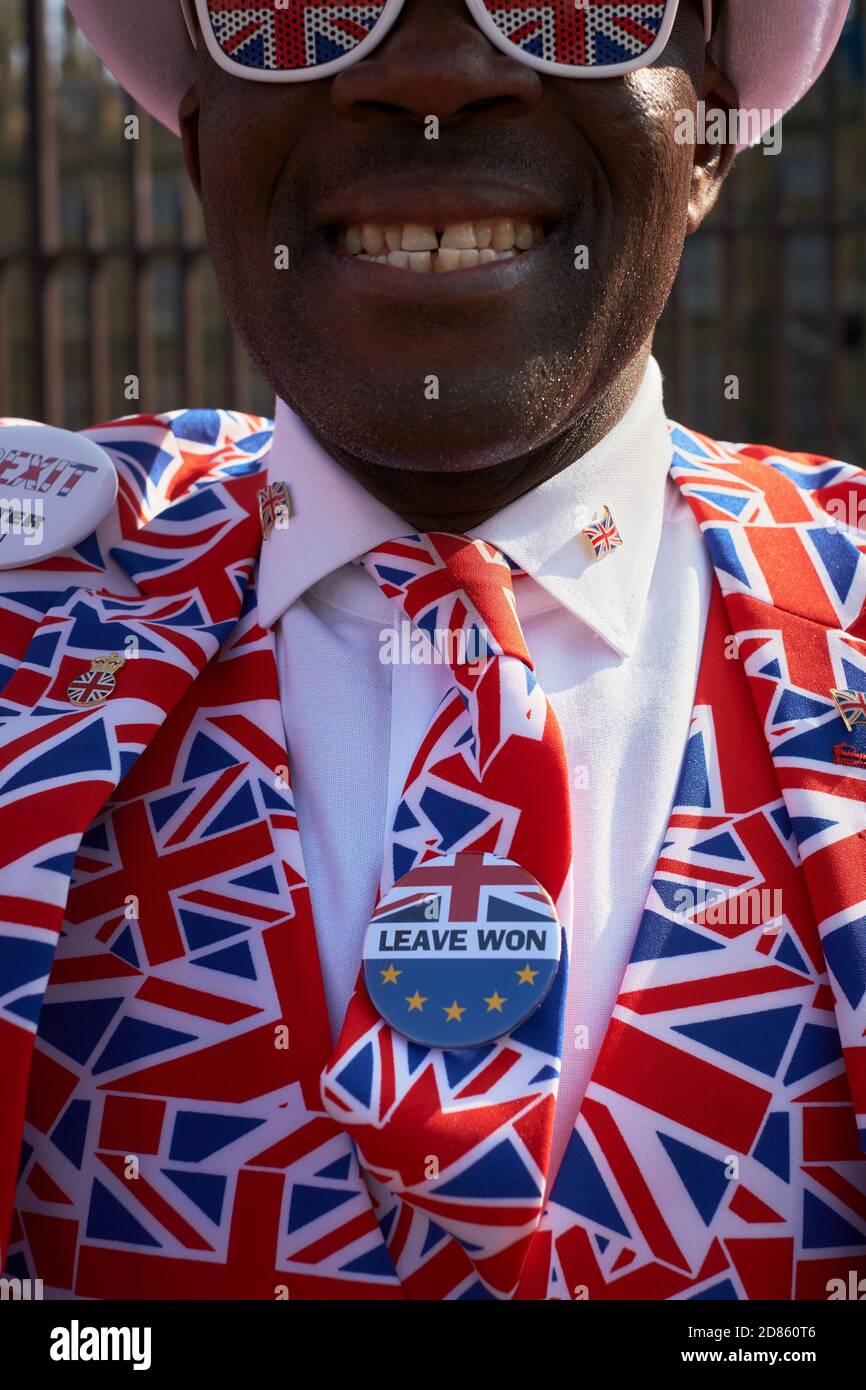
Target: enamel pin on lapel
(461, 950)
(275, 508)
(602, 533)
(851, 705)
(95, 685)
(55, 488)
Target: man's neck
(459, 501)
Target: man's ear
(188, 112)
(713, 161)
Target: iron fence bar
(141, 191)
(239, 372)
(191, 307)
(781, 367)
(832, 409)
(5, 389)
(45, 230)
(98, 318)
(730, 238)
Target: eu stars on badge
(461, 950)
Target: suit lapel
(191, 560)
(189, 954)
(794, 581)
(724, 1025)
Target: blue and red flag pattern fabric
(162, 1021)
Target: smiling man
(462, 890)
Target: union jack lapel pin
(851, 705)
(602, 533)
(275, 508)
(95, 685)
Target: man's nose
(436, 62)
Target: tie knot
(455, 589)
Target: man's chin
(434, 421)
(418, 445)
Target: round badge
(94, 686)
(461, 950)
(55, 488)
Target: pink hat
(772, 50)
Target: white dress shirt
(616, 644)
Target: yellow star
(495, 1001)
(389, 976)
(455, 1012)
(415, 1001)
(526, 976)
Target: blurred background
(104, 269)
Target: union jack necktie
(464, 1134)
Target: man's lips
(437, 228)
(427, 201)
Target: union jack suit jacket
(162, 1020)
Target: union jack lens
(292, 40)
(293, 36)
(581, 33)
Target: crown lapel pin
(602, 533)
(275, 508)
(95, 685)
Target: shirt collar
(335, 520)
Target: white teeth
(523, 236)
(372, 239)
(503, 234)
(418, 247)
(460, 237)
(448, 259)
(416, 238)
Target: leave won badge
(461, 950)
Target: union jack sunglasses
(299, 40)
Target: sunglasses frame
(390, 15)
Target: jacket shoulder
(834, 486)
(163, 457)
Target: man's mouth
(431, 249)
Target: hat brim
(772, 51)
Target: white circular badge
(55, 488)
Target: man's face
(469, 368)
